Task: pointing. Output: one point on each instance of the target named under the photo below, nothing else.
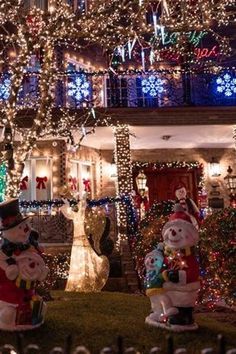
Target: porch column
(124, 176)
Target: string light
(124, 176)
(152, 85)
(226, 85)
(79, 88)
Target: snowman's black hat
(10, 215)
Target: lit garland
(2, 182)
(161, 165)
(217, 257)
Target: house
(173, 126)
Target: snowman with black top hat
(21, 267)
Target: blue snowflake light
(152, 85)
(79, 88)
(226, 85)
(5, 86)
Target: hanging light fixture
(141, 181)
(214, 168)
(113, 167)
(230, 181)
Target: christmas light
(124, 176)
(79, 88)
(226, 85)
(2, 182)
(5, 88)
(152, 85)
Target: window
(36, 181)
(80, 177)
(41, 4)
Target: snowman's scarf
(9, 248)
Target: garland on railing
(57, 203)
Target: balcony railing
(164, 89)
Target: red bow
(73, 182)
(41, 182)
(86, 183)
(23, 184)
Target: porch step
(128, 268)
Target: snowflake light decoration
(152, 85)
(79, 88)
(226, 85)
(5, 86)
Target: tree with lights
(32, 34)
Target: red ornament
(73, 183)
(87, 186)
(23, 183)
(41, 182)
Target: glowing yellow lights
(124, 175)
(88, 271)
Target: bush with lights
(217, 258)
(148, 233)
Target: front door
(161, 183)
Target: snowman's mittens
(12, 272)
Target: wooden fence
(118, 348)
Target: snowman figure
(155, 264)
(181, 274)
(21, 266)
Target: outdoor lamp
(230, 181)
(141, 181)
(214, 168)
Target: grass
(95, 320)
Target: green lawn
(95, 320)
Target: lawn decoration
(89, 270)
(174, 296)
(21, 267)
(187, 203)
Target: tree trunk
(14, 176)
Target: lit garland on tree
(217, 258)
(2, 182)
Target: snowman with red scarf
(21, 267)
(180, 276)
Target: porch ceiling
(151, 137)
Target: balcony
(78, 90)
